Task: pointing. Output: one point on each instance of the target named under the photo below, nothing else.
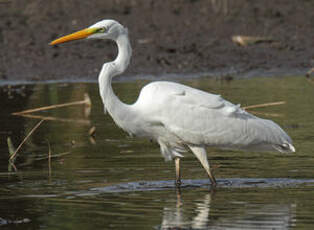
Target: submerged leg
(178, 173)
(201, 155)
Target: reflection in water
(175, 217)
(246, 215)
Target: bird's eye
(102, 30)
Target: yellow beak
(75, 36)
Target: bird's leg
(201, 155)
(178, 173)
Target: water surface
(114, 181)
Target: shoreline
(222, 75)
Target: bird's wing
(201, 118)
(161, 91)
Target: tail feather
(285, 148)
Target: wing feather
(201, 118)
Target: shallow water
(114, 181)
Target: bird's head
(105, 29)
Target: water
(116, 182)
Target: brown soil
(178, 36)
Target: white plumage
(193, 117)
(179, 117)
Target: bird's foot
(213, 181)
(178, 183)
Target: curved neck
(117, 109)
(124, 53)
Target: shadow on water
(120, 182)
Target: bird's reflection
(177, 217)
(198, 215)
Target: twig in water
(267, 114)
(53, 156)
(86, 101)
(11, 152)
(12, 157)
(49, 160)
(92, 131)
(92, 140)
(10, 146)
(12, 165)
(50, 118)
(264, 105)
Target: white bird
(179, 118)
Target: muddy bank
(182, 36)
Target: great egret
(176, 116)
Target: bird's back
(204, 119)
